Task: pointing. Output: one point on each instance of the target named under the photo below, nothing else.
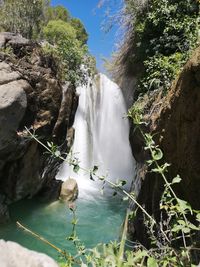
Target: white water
(101, 136)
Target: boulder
(69, 190)
(6, 74)
(14, 255)
(15, 44)
(13, 104)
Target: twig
(65, 254)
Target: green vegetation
(22, 16)
(70, 57)
(57, 13)
(66, 36)
(81, 33)
(160, 34)
(174, 238)
(58, 30)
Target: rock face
(13, 104)
(14, 255)
(31, 95)
(176, 119)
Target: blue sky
(100, 44)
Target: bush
(22, 16)
(165, 36)
(57, 30)
(57, 13)
(159, 37)
(81, 33)
(160, 70)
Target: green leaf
(186, 230)
(76, 168)
(74, 221)
(182, 222)
(184, 205)
(114, 194)
(57, 153)
(165, 166)
(102, 178)
(102, 191)
(193, 227)
(91, 177)
(176, 180)
(156, 170)
(177, 228)
(140, 254)
(95, 169)
(123, 182)
(151, 262)
(157, 154)
(198, 217)
(150, 162)
(49, 144)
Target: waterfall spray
(101, 136)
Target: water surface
(99, 221)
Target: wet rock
(66, 114)
(14, 255)
(4, 213)
(51, 191)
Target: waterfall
(101, 136)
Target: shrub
(57, 30)
(22, 16)
(159, 36)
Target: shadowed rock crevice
(175, 121)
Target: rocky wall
(174, 120)
(32, 96)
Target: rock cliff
(31, 95)
(175, 121)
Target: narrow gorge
(75, 120)
(99, 135)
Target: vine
(164, 234)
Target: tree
(22, 16)
(57, 13)
(57, 30)
(159, 36)
(81, 33)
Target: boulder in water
(69, 190)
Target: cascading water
(101, 136)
